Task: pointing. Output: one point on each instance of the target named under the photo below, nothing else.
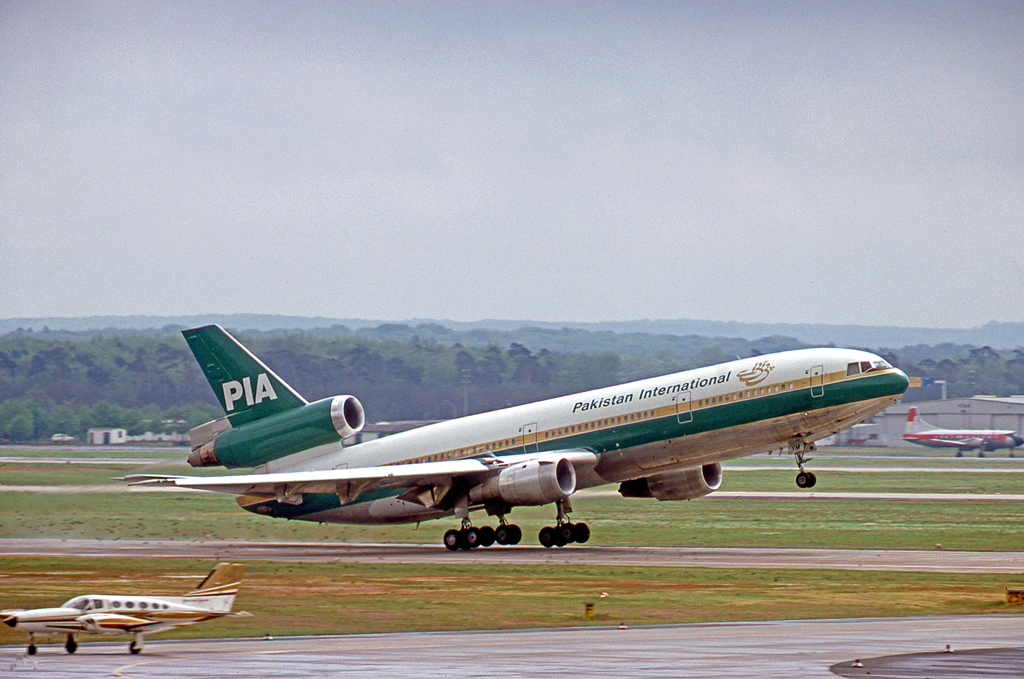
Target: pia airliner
(663, 437)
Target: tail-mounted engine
(254, 443)
(684, 484)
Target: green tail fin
(246, 388)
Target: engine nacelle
(684, 484)
(534, 482)
(98, 623)
(326, 421)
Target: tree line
(64, 382)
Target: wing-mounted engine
(254, 443)
(684, 484)
(532, 482)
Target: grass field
(298, 598)
(332, 598)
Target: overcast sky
(762, 162)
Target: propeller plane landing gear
(800, 448)
(136, 646)
(71, 645)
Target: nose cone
(901, 381)
(11, 621)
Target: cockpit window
(81, 603)
(865, 366)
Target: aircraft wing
(356, 480)
(116, 622)
(941, 441)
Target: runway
(793, 649)
(936, 561)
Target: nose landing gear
(800, 448)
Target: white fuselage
(636, 429)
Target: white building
(100, 436)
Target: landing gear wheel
(134, 648)
(32, 649)
(71, 645)
(487, 536)
(470, 538)
(580, 533)
(451, 540)
(806, 479)
(515, 534)
(501, 535)
(547, 536)
(566, 534)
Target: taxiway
(808, 649)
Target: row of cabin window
(86, 605)
(598, 424)
(749, 393)
(621, 419)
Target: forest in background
(147, 380)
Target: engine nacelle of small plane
(684, 484)
(95, 623)
(534, 482)
(326, 421)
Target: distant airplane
(129, 614)
(662, 437)
(918, 431)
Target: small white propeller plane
(130, 614)
(662, 437)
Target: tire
(580, 533)
(451, 540)
(566, 534)
(487, 536)
(547, 537)
(501, 535)
(515, 534)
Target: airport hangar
(972, 412)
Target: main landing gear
(559, 535)
(470, 537)
(564, 532)
(136, 646)
(800, 448)
(71, 645)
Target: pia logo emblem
(757, 374)
(234, 390)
